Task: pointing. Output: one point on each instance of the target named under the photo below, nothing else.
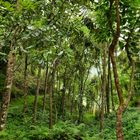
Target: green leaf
(85, 30)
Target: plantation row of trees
(78, 56)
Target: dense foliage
(20, 127)
(69, 69)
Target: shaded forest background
(70, 70)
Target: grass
(21, 127)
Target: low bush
(20, 126)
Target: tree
(103, 87)
(9, 77)
(25, 84)
(37, 94)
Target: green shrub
(20, 126)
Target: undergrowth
(21, 127)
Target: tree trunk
(119, 122)
(116, 78)
(63, 97)
(36, 95)
(7, 90)
(131, 86)
(72, 100)
(50, 107)
(108, 87)
(50, 91)
(111, 90)
(25, 84)
(46, 87)
(80, 104)
(57, 100)
(51, 98)
(132, 63)
(119, 129)
(103, 89)
(9, 78)
(69, 95)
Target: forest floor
(21, 127)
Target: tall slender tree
(37, 94)
(103, 88)
(9, 76)
(25, 84)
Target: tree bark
(119, 123)
(72, 100)
(50, 91)
(63, 97)
(103, 89)
(131, 86)
(9, 78)
(69, 94)
(108, 87)
(25, 84)
(50, 107)
(132, 63)
(46, 88)
(57, 91)
(80, 104)
(7, 91)
(36, 95)
(111, 90)
(119, 128)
